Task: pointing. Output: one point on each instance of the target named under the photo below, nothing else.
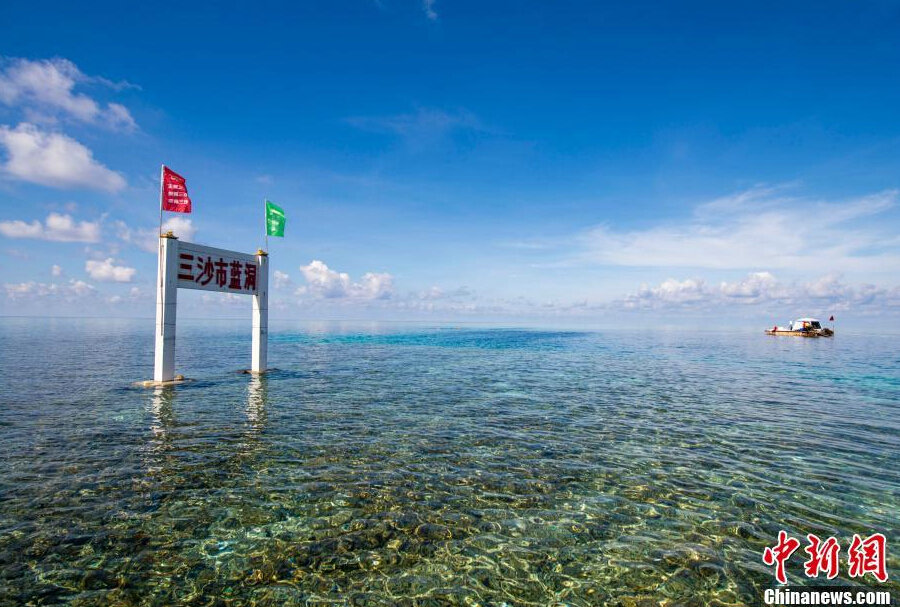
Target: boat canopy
(804, 324)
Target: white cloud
(324, 283)
(143, 238)
(282, 279)
(375, 285)
(424, 125)
(762, 289)
(134, 294)
(432, 293)
(56, 271)
(53, 159)
(428, 7)
(147, 239)
(670, 291)
(435, 293)
(74, 289)
(120, 117)
(182, 227)
(829, 286)
(57, 227)
(757, 228)
(45, 88)
(755, 287)
(223, 300)
(107, 270)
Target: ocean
(415, 464)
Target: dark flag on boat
(831, 319)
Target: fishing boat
(802, 327)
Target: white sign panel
(210, 269)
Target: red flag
(831, 319)
(173, 192)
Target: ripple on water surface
(434, 466)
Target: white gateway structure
(185, 265)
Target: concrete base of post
(178, 379)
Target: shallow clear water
(414, 465)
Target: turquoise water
(414, 465)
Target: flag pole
(159, 274)
(266, 222)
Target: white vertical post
(166, 293)
(261, 314)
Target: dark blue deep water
(415, 465)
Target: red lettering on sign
(235, 282)
(250, 276)
(186, 267)
(206, 271)
(221, 272)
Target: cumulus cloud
(282, 279)
(73, 290)
(432, 293)
(829, 286)
(57, 227)
(756, 286)
(106, 270)
(134, 294)
(761, 288)
(182, 227)
(54, 160)
(56, 271)
(45, 88)
(757, 228)
(147, 239)
(324, 283)
(670, 291)
(375, 285)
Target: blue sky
(520, 161)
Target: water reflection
(255, 410)
(162, 413)
(257, 396)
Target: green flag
(274, 219)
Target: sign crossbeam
(186, 265)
